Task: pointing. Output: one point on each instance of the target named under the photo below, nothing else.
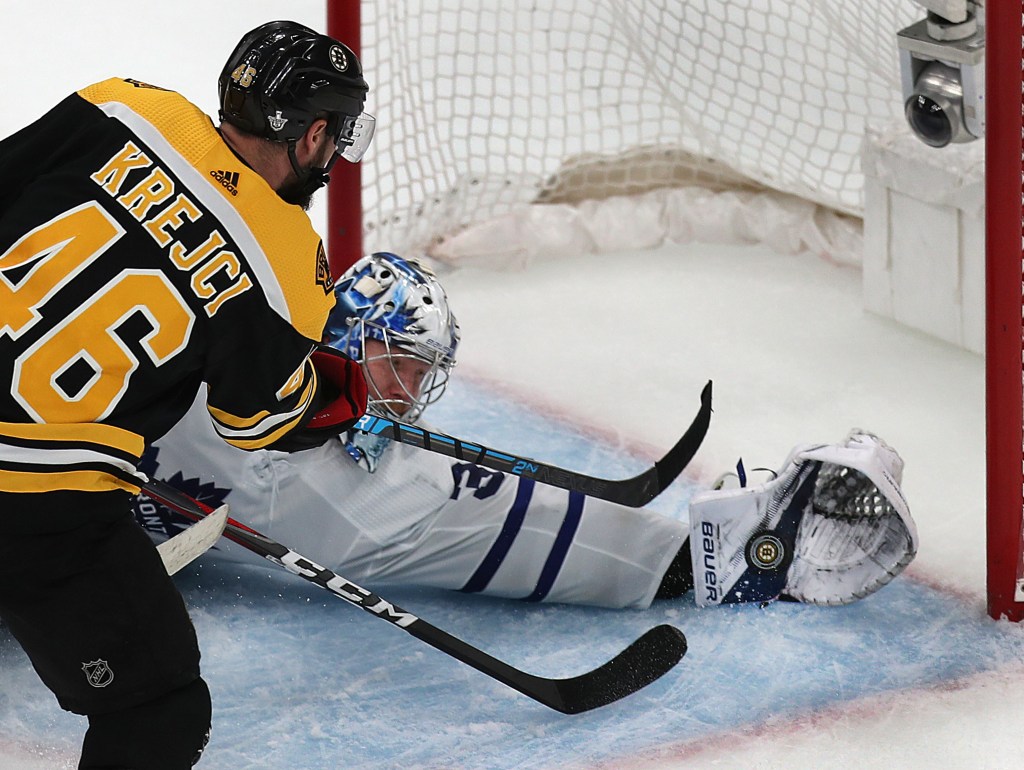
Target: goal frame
(1004, 260)
(1004, 339)
(344, 194)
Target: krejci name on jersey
(145, 200)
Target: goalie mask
(392, 316)
(831, 528)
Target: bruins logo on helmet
(283, 75)
(338, 58)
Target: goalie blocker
(831, 528)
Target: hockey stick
(187, 546)
(633, 492)
(644, 661)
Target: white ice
(621, 344)
(793, 357)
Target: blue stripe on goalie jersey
(556, 558)
(486, 483)
(501, 546)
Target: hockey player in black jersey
(142, 249)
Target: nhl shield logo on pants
(98, 673)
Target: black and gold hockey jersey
(139, 259)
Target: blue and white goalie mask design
(392, 316)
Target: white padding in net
(485, 108)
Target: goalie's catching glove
(831, 528)
(342, 398)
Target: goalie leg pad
(832, 528)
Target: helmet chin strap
(311, 179)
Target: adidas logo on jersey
(227, 178)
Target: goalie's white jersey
(422, 519)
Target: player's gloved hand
(343, 376)
(342, 397)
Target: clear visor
(404, 376)
(354, 136)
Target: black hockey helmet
(284, 75)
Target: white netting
(484, 108)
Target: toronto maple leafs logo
(157, 519)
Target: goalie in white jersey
(830, 528)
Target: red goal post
(1004, 353)
(344, 195)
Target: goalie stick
(633, 492)
(644, 661)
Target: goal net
(487, 110)
(499, 121)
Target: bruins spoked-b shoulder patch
(323, 269)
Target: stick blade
(647, 659)
(672, 464)
(188, 545)
(641, 489)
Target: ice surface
(301, 679)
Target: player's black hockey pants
(105, 629)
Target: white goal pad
(831, 528)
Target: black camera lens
(929, 120)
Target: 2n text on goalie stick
(633, 492)
(648, 658)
